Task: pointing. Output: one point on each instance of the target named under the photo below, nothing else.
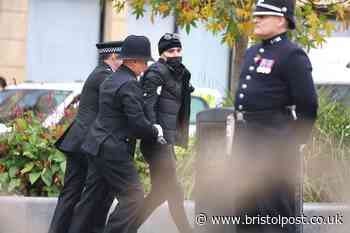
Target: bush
(29, 163)
(326, 157)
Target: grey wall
(207, 58)
(203, 54)
(61, 39)
(62, 34)
(153, 31)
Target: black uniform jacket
(277, 73)
(120, 118)
(75, 134)
(168, 100)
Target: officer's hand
(161, 140)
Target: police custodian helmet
(277, 7)
(136, 47)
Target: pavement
(33, 215)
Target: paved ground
(32, 215)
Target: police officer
(276, 106)
(70, 142)
(110, 141)
(167, 96)
(3, 83)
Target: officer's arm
(151, 81)
(98, 80)
(302, 90)
(131, 98)
(94, 81)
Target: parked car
(331, 71)
(335, 81)
(51, 100)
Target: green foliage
(327, 155)
(29, 163)
(184, 163)
(143, 169)
(185, 167)
(228, 101)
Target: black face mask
(175, 63)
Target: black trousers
(74, 181)
(267, 177)
(165, 186)
(107, 177)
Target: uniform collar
(104, 64)
(128, 70)
(276, 39)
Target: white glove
(159, 129)
(160, 137)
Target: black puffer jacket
(167, 101)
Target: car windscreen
(339, 93)
(14, 102)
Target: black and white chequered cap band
(110, 50)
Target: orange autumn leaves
(232, 18)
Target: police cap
(278, 8)
(109, 47)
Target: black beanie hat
(168, 41)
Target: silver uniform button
(241, 96)
(240, 107)
(248, 77)
(244, 86)
(261, 50)
(251, 68)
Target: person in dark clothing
(167, 94)
(72, 139)
(3, 83)
(275, 109)
(111, 140)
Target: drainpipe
(175, 27)
(230, 69)
(102, 19)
